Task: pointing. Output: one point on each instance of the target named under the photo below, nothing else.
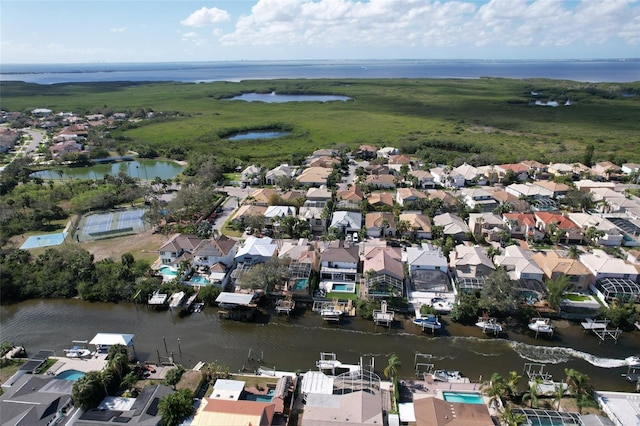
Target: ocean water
(577, 70)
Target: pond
(139, 169)
(273, 98)
(263, 134)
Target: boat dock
(285, 306)
(157, 299)
(189, 302)
(329, 361)
(545, 384)
(345, 307)
(383, 316)
(599, 328)
(176, 300)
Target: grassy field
(490, 116)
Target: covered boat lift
(102, 341)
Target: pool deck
(422, 389)
(93, 363)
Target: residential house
(246, 211)
(326, 162)
(314, 216)
(366, 152)
(141, 410)
(8, 139)
(407, 195)
(471, 262)
(519, 264)
(339, 263)
(606, 170)
(214, 411)
(438, 412)
(611, 235)
(601, 265)
(350, 198)
(479, 199)
(318, 197)
(377, 169)
(501, 196)
(553, 265)
(380, 224)
(521, 171)
(177, 247)
(314, 176)
(428, 272)
(564, 169)
(472, 175)
(445, 197)
(293, 198)
(381, 181)
(452, 225)
(357, 408)
(61, 148)
(380, 200)
(35, 400)
(323, 153)
(263, 197)
(256, 250)
(536, 169)
(346, 221)
(383, 272)
(397, 161)
(419, 225)
(447, 178)
(569, 232)
(489, 225)
(528, 190)
(41, 112)
(424, 178)
(558, 189)
(630, 168)
(387, 151)
(281, 171)
(209, 252)
(522, 225)
(275, 213)
(251, 175)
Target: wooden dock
(285, 306)
(383, 316)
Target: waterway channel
(294, 343)
(137, 169)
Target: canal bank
(295, 342)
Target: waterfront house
(383, 272)
(438, 412)
(428, 273)
(233, 412)
(314, 176)
(519, 264)
(553, 264)
(470, 262)
(177, 247)
(66, 147)
(380, 224)
(210, 252)
(419, 225)
(346, 221)
(452, 225)
(339, 262)
(256, 250)
(408, 195)
(601, 265)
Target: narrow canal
(294, 343)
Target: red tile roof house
(380, 199)
(571, 233)
(522, 225)
(66, 147)
(383, 272)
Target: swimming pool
(300, 284)
(199, 280)
(467, 398)
(343, 288)
(262, 398)
(72, 375)
(168, 271)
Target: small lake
(273, 98)
(267, 134)
(139, 169)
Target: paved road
(236, 196)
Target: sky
(90, 31)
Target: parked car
(356, 238)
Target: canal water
(294, 343)
(137, 169)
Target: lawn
(575, 297)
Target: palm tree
(494, 389)
(119, 363)
(512, 419)
(558, 393)
(579, 387)
(556, 287)
(532, 394)
(393, 366)
(511, 386)
(176, 407)
(129, 380)
(87, 391)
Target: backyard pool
(70, 375)
(168, 271)
(343, 288)
(198, 280)
(262, 398)
(467, 398)
(300, 284)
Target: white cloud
(118, 30)
(429, 23)
(204, 17)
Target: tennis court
(44, 240)
(111, 224)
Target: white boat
(77, 352)
(441, 305)
(430, 321)
(633, 360)
(489, 325)
(330, 313)
(541, 325)
(448, 376)
(176, 300)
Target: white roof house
(528, 190)
(279, 211)
(426, 257)
(452, 224)
(519, 264)
(256, 250)
(612, 235)
(601, 265)
(346, 221)
(283, 170)
(471, 261)
(229, 390)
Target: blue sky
(59, 31)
